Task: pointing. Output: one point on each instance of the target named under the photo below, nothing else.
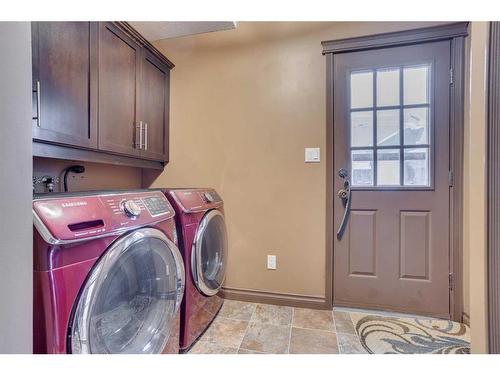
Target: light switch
(271, 262)
(312, 154)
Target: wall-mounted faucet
(48, 181)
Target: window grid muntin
(402, 147)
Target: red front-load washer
(108, 275)
(202, 233)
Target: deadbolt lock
(342, 194)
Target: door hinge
(450, 281)
(451, 179)
(451, 76)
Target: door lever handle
(345, 195)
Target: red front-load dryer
(108, 275)
(202, 233)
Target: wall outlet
(311, 154)
(271, 262)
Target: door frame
(456, 34)
(493, 188)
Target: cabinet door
(64, 81)
(119, 59)
(154, 89)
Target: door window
(131, 298)
(211, 253)
(390, 127)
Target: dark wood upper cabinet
(154, 99)
(64, 83)
(99, 87)
(119, 73)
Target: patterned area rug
(393, 335)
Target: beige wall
(475, 172)
(96, 176)
(244, 104)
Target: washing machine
(108, 275)
(203, 244)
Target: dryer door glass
(132, 296)
(210, 253)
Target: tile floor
(249, 328)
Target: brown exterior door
(391, 135)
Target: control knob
(208, 197)
(131, 208)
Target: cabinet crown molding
(138, 38)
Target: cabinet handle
(139, 127)
(38, 106)
(146, 136)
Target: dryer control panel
(196, 200)
(73, 217)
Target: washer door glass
(131, 298)
(210, 253)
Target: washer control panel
(156, 205)
(82, 216)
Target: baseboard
(465, 319)
(273, 298)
